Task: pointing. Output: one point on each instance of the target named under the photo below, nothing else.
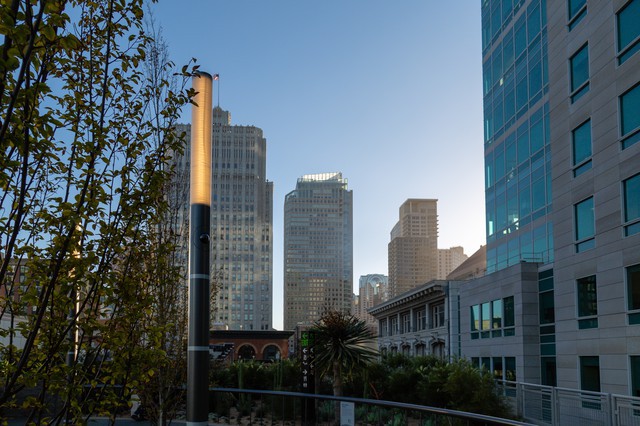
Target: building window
(630, 116)
(492, 319)
(406, 323)
(587, 302)
(633, 293)
(579, 68)
(547, 307)
(577, 11)
(635, 375)
(394, 326)
(437, 315)
(475, 321)
(590, 373)
(581, 147)
(509, 316)
(384, 331)
(585, 225)
(631, 189)
(628, 22)
(485, 323)
(496, 318)
(421, 319)
(510, 368)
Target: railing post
(612, 410)
(555, 407)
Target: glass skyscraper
(318, 248)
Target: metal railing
(262, 407)
(548, 405)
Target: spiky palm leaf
(341, 345)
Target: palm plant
(341, 346)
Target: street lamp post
(200, 193)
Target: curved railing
(265, 407)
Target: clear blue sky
(388, 92)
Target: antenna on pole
(216, 77)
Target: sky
(388, 92)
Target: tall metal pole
(200, 189)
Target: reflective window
(628, 21)
(577, 11)
(579, 64)
(630, 116)
(584, 225)
(581, 144)
(509, 312)
(587, 302)
(631, 188)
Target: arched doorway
(246, 352)
(271, 353)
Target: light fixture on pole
(199, 230)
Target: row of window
(627, 26)
(493, 319)
(503, 368)
(413, 321)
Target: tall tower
(516, 133)
(373, 290)
(413, 250)
(318, 248)
(241, 225)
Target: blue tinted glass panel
(579, 68)
(520, 36)
(585, 219)
(577, 11)
(632, 198)
(629, 30)
(630, 111)
(581, 138)
(533, 21)
(575, 6)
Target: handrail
(423, 408)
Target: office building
(241, 224)
(448, 260)
(413, 250)
(562, 125)
(318, 248)
(373, 290)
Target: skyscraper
(413, 250)
(373, 290)
(241, 225)
(318, 248)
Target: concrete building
(241, 224)
(373, 290)
(318, 248)
(419, 322)
(413, 250)
(449, 259)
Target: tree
(84, 136)
(341, 346)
